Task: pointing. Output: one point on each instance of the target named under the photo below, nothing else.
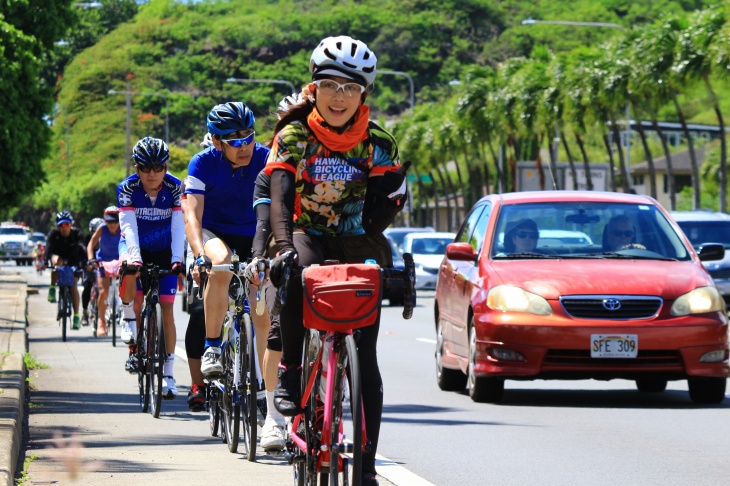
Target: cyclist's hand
(132, 268)
(252, 271)
(177, 268)
(202, 261)
(276, 272)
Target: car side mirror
(711, 251)
(460, 252)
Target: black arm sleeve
(263, 230)
(282, 208)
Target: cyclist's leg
(103, 283)
(194, 345)
(168, 287)
(55, 261)
(216, 304)
(76, 298)
(262, 324)
(272, 434)
(89, 279)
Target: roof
(699, 215)
(570, 196)
(680, 163)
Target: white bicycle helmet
(343, 56)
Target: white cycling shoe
(272, 436)
(169, 390)
(128, 331)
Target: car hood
(428, 261)
(554, 278)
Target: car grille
(611, 306)
(646, 358)
(13, 246)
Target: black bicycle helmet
(64, 217)
(150, 152)
(230, 117)
(346, 57)
(94, 223)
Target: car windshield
(430, 246)
(585, 230)
(700, 232)
(13, 231)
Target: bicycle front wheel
(305, 470)
(346, 433)
(114, 315)
(64, 309)
(92, 309)
(231, 405)
(156, 357)
(249, 388)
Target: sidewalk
(13, 292)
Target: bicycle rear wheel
(305, 470)
(346, 433)
(249, 388)
(92, 309)
(156, 356)
(143, 378)
(231, 404)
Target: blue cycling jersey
(108, 245)
(228, 192)
(153, 225)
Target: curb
(13, 321)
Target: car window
(587, 229)
(466, 232)
(700, 232)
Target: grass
(32, 363)
(24, 476)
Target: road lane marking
(397, 474)
(426, 340)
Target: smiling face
(337, 108)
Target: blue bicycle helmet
(230, 117)
(64, 217)
(150, 152)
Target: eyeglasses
(624, 233)
(65, 225)
(147, 168)
(239, 142)
(329, 87)
(527, 234)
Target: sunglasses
(156, 168)
(329, 87)
(624, 233)
(239, 142)
(65, 225)
(527, 234)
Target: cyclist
(330, 167)
(64, 247)
(106, 238)
(219, 216)
(152, 232)
(89, 274)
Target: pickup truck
(15, 244)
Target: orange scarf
(343, 142)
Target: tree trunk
(436, 216)
(723, 147)
(554, 158)
(586, 164)
(611, 170)
(512, 164)
(453, 215)
(538, 164)
(668, 155)
(696, 196)
(422, 199)
(621, 159)
(571, 163)
(465, 196)
(647, 152)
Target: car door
(453, 283)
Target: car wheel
(707, 390)
(447, 379)
(651, 385)
(481, 389)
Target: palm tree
(576, 105)
(695, 61)
(553, 111)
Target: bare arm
(192, 206)
(93, 242)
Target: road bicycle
(92, 309)
(66, 281)
(113, 314)
(232, 396)
(150, 351)
(327, 438)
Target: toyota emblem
(611, 304)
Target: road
(544, 432)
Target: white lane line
(397, 474)
(426, 340)
(180, 354)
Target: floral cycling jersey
(331, 186)
(153, 225)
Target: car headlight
(508, 298)
(698, 301)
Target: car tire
(707, 390)
(481, 389)
(651, 385)
(446, 378)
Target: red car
(574, 285)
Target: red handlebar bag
(341, 297)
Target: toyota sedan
(633, 302)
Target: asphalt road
(544, 432)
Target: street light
(531, 21)
(272, 81)
(412, 98)
(129, 94)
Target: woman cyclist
(326, 155)
(106, 237)
(153, 231)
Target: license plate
(614, 345)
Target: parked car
(398, 233)
(37, 236)
(644, 310)
(15, 244)
(428, 250)
(394, 288)
(703, 227)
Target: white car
(428, 249)
(15, 244)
